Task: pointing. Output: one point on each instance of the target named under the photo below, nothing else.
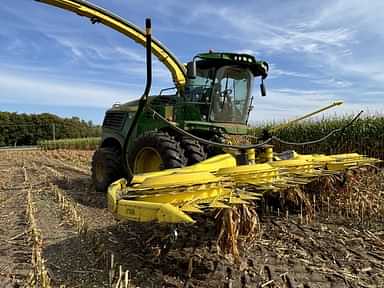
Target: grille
(114, 119)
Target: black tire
(193, 151)
(106, 168)
(212, 150)
(169, 150)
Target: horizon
(260, 123)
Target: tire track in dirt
(85, 257)
(68, 167)
(80, 159)
(321, 254)
(85, 253)
(61, 239)
(104, 235)
(15, 250)
(77, 186)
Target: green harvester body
(199, 107)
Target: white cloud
(350, 12)
(112, 59)
(284, 104)
(34, 90)
(82, 49)
(124, 51)
(256, 29)
(333, 83)
(278, 72)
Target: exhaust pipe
(148, 48)
(144, 98)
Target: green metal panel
(190, 108)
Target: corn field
(56, 231)
(365, 136)
(77, 144)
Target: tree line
(29, 129)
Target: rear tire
(193, 150)
(106, 167)
(155, 151)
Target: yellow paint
(251, 155)
(140, 211)
(178, 198)
(269, 154)
(178, 179)
(165, 196)
(147, 160)
(218, 204)
(191, 208)
(252, 174)
(210, 165)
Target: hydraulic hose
(322, 138)
(251, 146)
(202, 140)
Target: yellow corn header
(173, 195)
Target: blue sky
(52, 60)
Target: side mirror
(263, 90)
(191, 69)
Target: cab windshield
(199, 89)
(231, 95)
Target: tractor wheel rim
(147, 160)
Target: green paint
(213, 103)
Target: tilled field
(55, 228)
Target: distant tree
(28, 129)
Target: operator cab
(220, 85)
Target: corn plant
(76, 144)
(365, 136)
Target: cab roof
(258, 68)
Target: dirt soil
(327, 252)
